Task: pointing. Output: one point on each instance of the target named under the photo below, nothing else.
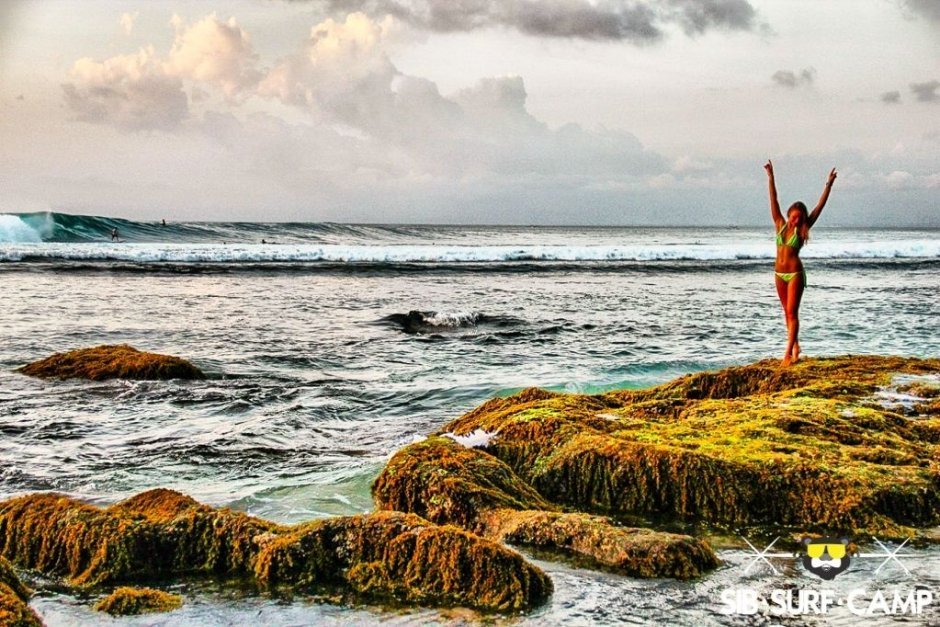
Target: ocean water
(331, 346)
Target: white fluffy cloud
(214, 52)
(144, 91)
(132, 92)
(340, 71)
(899, 179)
(903, 180)
(338, 121)
(364, 116)
(127, 22)
(343, 74)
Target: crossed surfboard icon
(764, 556)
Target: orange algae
(112, 362)
(161, 534)
(406, 558)
(448, 483)
(14, 598)
(126, 601)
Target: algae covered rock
(404, 557)
(112, 362)
(819, 446)
(162, 534)
(126, 601)
(14, 598)
(445, 482)
(155, 534)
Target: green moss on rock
(126, 601)
(447, 483)
(810, 446)
(112, 362)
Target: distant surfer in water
(114, 235)
(792, 234)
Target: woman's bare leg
(794, 296)
(782, 294)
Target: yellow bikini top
(794, 240)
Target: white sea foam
(385, 253)
(451, 318)
(14, 230)
(889, 396)
(478, 437)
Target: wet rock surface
(161, 534)
(812, 447)
(127, 601)
(14, 599)
(119, 361)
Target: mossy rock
(813, 447)
(403, 557)
(448, 483)
(127, 601)
(112, 362)
(161, 534)
(14, 599)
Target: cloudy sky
(471, 111)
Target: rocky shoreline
(847, 445)
(161, 534)
(841, 445)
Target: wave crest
(14, 229)
(416, 321)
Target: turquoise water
(320, 368)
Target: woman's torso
(788, 252)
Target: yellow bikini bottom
(788, 276)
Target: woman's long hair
(803, 229)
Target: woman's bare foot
(786, 361)
(795, 353)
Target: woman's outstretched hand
(770, 168)
(832, 176)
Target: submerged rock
(14, 599)
(112, 362)
(810, 447)
(126, 601)
(160, 534)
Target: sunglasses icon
(836, 551)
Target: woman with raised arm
(792, 234)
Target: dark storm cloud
(697, 16)
(791, 80)
(891, 97)
(926, 92)
(638, 22)
(929, 9)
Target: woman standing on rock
(792, 234)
